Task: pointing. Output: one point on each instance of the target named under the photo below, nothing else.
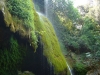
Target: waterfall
(49, 6)
(71, 73)
(46, 7)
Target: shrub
(80, 69)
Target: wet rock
(25, 73)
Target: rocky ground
(92, 65)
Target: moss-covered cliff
(51, 46)
(19, 17)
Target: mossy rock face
(23, 19)
(51, 45)
(6, 15)
(33, 26)
(11, 56)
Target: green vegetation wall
(22, 12)
(30, 25)
(11, 57)
(51, 45)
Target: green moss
(7, 17)
(51, 46)
(11, 57)
(23, 10)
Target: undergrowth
(80, 69)
(11, 57)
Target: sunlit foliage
(23, 11)
(50, 44)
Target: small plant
(80, 69)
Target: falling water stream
(46, 13)
(71, 73)
(46, 7)
(51, 68)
